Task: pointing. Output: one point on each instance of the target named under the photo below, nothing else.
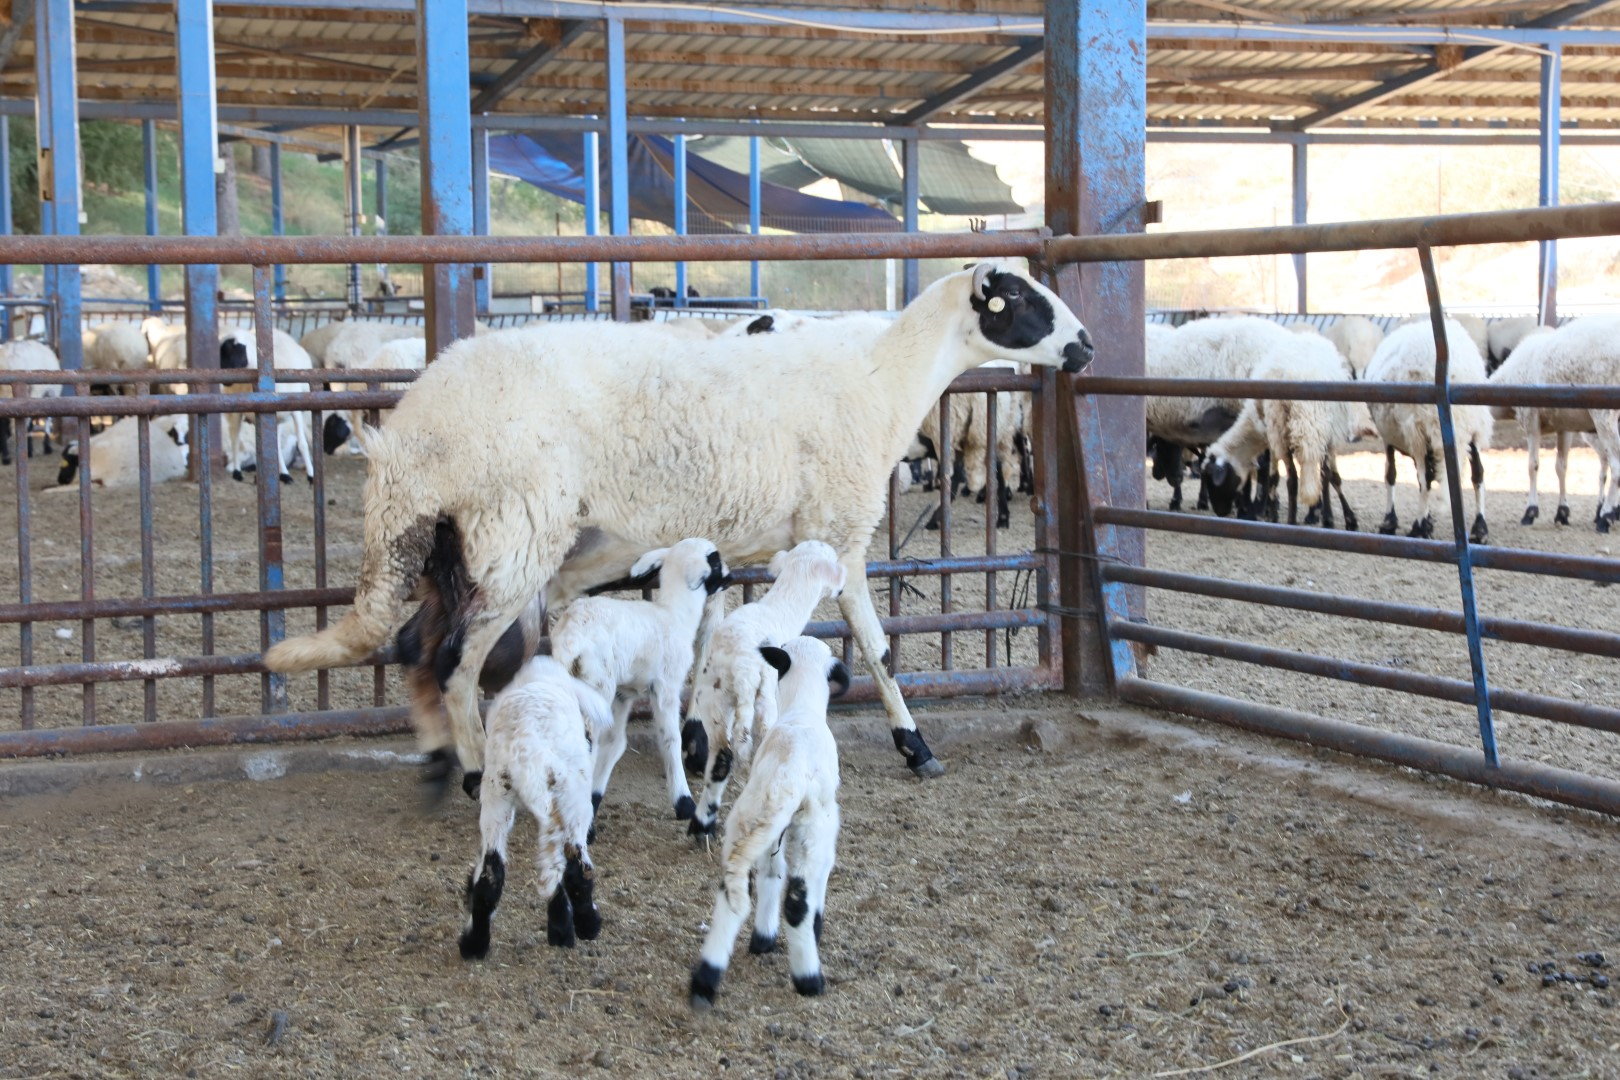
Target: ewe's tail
(400, 515)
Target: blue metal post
(443, 69)
(58, 126)
(354, 209)
(680, 216)
(753, 211)
(480, 191)
(1552, 77)
(5, 222)
(154, 279)
(1302, 152)
(199, 157)
(1096, 122)
(593, 212)
(911, 180)
(278, 221)
(618, 161)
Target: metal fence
(926, 590)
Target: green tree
(24, 177)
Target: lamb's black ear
(838, 676)
(777, 658)
(762, 325)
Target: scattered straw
(1255, 1052)
(1208, 919)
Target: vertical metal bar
(911, 181)
(1302, 152)
(149, 178)
(25, 558)
(680, 216)
(143, 435)
(380, 225)
(199, 157)
(87, 565)
(278, 219)
(894, 554)
(267, 443)
(5, 223)
(57, 125)
(992, 504)
(947, 490)
(1552, 79)
(618, 127)
(203, 441)
(443, 77)
(1096, 119)
(480, 207)
(352, 208)
(593, 213)
(323, 682)
(753, 211)
(1459, 524)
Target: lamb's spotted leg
(488, 877)
(812, 843)
(1391, 523)
(1293, 489)
(666, 710)
(1478, 533)
(1350, 522)
(1607, 439)
(611, 748)
(856, 605)
(1529, 419)
(730, 910)
(770, 878)
(1423, 527)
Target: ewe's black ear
(765, 324)
(838, 676)
(777, 658)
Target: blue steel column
(680, 216)
(1096, 117)
(58, 127)
(5, 222)
(154, 279)
(593, 211)
(354, 209)
(480, 192)
(753, 211)
(618, 162)
(911, 187)
(278, 221)
(1552, 78)
(443, 67)
(1302, 152)
(199, 151)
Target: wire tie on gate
(1067, 612)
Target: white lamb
(734, 692)
(26, 356)
(401, 354)
(238, 351)
(116, 346)
(625, 649)
(115, 460)
(1407, 355)
(1586, 352)
(783, 830)
(1302, 436)
(541, 732)
(563, 453)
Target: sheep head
(1020, 319)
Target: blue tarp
(718, 196)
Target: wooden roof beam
(1028, 50)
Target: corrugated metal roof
(358, 60)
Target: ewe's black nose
(1077, 354)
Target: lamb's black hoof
(1561, 516)
(1003, 519)
(694, 747)
(1312, 517)
(705, 984)
(1480, 533)
(1601, 523)
(560, 937)
(1350, 523)
(685, 808)
(1423, 530)
(286, 478)
(933, 523)
(470, 781)
(236, 474)
(1530, 515)
(587, 922)
(474, 943)
(699, 830)
(759, 944)
(1391, 524)
(979, 498)
(810, 985)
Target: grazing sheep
(27, 356)
(1586, 352)
(238, 352)
(1407, 355)
(1302, 436)
(563, 453)
(117, 346)
(401, 354)
(783, 830)
(734, 692)
(1504, 336)
(970, 430)
(538, 750)
(628, 648)
(1356, 337)
(115, 454)
(168, 348)
(318, 340)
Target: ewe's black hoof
(1480, 532)
(1561, 516)
(236, 474)
(435, 778)
(759, 944)
(1530, 515)
(474, 944)
(1350, 523)
(1601, 523)
(694, 747)
(587, 923)
(1423, 530)
(809, 985)
(705, 984)
(918, 756)
(685, 808)
(470, 781)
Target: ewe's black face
(334, 433)
(232, 354)
(1016, 315)
(1225, 486)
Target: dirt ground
(1128, 904)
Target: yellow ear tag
(996, 304)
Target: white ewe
(115, 460)
(564, 453)
(784, 828)
(1504, 336)
(538, 750)
(116, 346)
(238, 351)
(26, 356)
(401, 354)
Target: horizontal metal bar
(1448, 230)
(966, 564)
(1515, 631)
(935, 623)
(209, 603)
(1427, 755)
(1586, 567)
(1547, 397)
(200, 376)
(1396, 392)
(169, 404)
(1459, 691)
(106, 671)
(305, 250)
